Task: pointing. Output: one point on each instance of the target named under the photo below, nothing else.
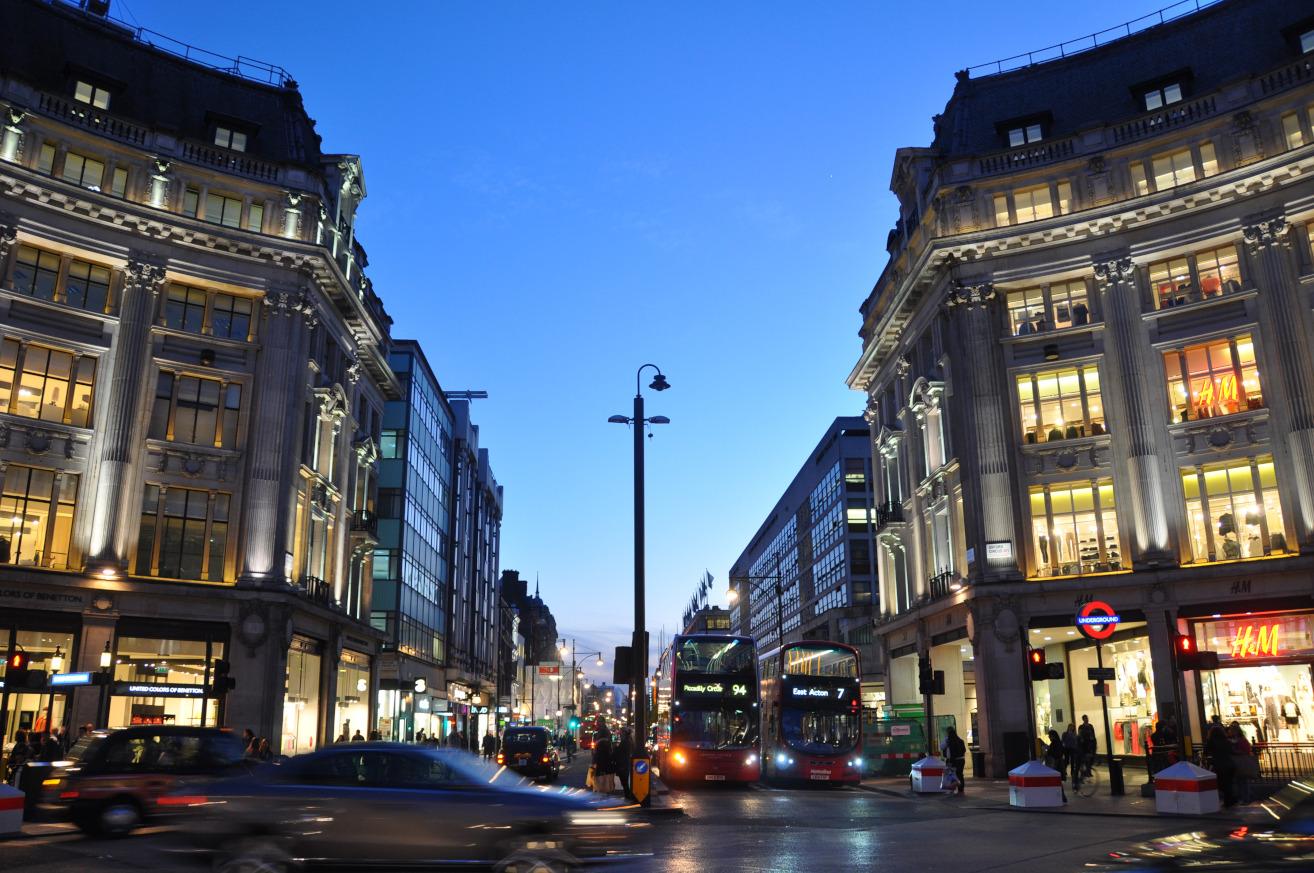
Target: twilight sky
(560, 192)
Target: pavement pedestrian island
(1185, 789)
(11, 810)
(928, 775)
(1034, 785)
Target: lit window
(183, 535)
(1020, 136)
(1217, 271)
(84, 171)
(1208, 159)
(36, 516)
(1068, 306)
(1233, 510)
(46, 384)
(1157, 98)
(119, 182)
(191, 202)
(230, 139)
(189, 409)
(46, 158)
(1075, 529)
(1026, 311)
(1064, 198)
(1139, 182)
(1054, 307)
(1291, 131)
(1060, 404)
(255, 218)
(1212, 379)
(1033, 204)
(1173, 169)
(223, 210)
(84, 92)
(1002, 218)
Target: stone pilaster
(1137, 434)
(1289, 371)
(121, 424)
(980, 400)
(275, 423)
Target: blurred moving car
(111, 780)
(381, 805)
(1279, 836)
(530, 751)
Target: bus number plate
(714, 777)
(816, 775)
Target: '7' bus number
(839, 693)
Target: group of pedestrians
(565, 742)
(611, 762)
(1232, 758)
(257, 748)
(34, 746)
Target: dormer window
(1307, 41)
(226, 137)
(1164, 95)
(92, 95)
(1024, 135)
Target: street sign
(1096, 674)
(1097, 620)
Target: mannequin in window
(1080, 314)
(1043, 542)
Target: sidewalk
(992, 794)
(574, 773)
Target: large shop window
(301, 703)
(191, 409)
(1233, 510)
(1049, 307)
(36, 516)
(175, 666)
(352, 711)
(1212, 379)
(1060, 404)
(1188, 279)
(1075, 528)
(46, 383)
(184, 534)
(1257, 685)
(28, 711)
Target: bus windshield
(815, 732)
(725, 727)
(820, 661)
(713, 656)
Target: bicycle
(1086, 786)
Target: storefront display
(351, 709)
(47, 650)
(301, 701)
(1263, 680)
(163, 681)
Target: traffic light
(1188, 657)
(223, 683)
(19, 674)
(574, 723)
(1036, 664)
(925, 675)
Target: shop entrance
(1271, 703)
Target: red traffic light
(1037, 656)
(1185, 644)
(18, 661)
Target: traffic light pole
(1115, 767)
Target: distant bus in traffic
(707, 714)
(812, 714)
(589, 726)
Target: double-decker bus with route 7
(812, 714)
(707, 716)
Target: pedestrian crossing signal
(1189, 657)
(1036, 664)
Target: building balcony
(887, 514)
(943, 583)
(365, 521)
(317, 591)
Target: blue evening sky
(559, 192)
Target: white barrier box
(1033, 785)
(11, 810)
(928, 776)
(1185, 789)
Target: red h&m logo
(1252, 640)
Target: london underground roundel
(1097, 620)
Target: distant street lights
(639, 649)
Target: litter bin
(978, 762)
(30, 776)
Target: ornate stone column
(11, 139)
(159, 189)
(271, 444)
(292, 214)
(1287, 379)
(121, 424)
(981, 402)
(1136, 434)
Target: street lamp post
(639, 650)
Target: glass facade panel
(1233, 510)
(1213, 379)
(1075, 529)
(1060, 404)
(351, 710)
(36, 516)
(301, 703)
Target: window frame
(79, 366)
(154, 522)
(1191, 288)
(95, 93)
(62, 497)
(226, 137)
(1108, 560)
(1042, 297)
(1159, 91)
(81, 179)
(1203, 497)
(1087, 426)
(168, 411)
(1237, 371)
(1058, 194)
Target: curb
(1056, 810)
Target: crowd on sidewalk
(609, 770)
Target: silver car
(380, 805)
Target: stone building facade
(193, 371)
(1089, 377)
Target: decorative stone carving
(1268, 233)
(1247, 145)
(872, 411)
(8, 235)
(903, 366)
(37, 442)
(969, 294)
(290, 303)
(1066, 460)
(1113, 271)
(145, 275)
(354, 370)
(253, 625)
(1220, 437)
(1097, 180)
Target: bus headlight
(678, 758)
(785, 760)
(750, 760)
(857, 762)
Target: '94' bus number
(739, 689)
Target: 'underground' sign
(1097, 620)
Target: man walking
(621, 759)
(490, 746)
(954, 751)
(1086, 745)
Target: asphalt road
(748, 830)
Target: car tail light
(546, 759)
(68, 795)
(182, 800)
(679, 759)
(501, 759)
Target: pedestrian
(264, 752)
(571, 745)
(1219, 752)
(419, 736)
(19, 754)
(356, 737)
(1087, 745)
(603, 768)
(954, 750)
(374, 736)
(50, 748)
(490, 745)
(342, 737)
(1054, 758)
(1071, 750)
(621, 756)
(1244, 761)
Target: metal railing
(366, 520)
(888, 513)
(942, 583)
(1154, 123)
(316, 590)
(1093, 40)
(1279, 763)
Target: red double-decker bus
(812, 716)
(589, 727)
(706, 720)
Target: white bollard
(11, 810)
(928, 776)
(1185, 789)
(1033, 784)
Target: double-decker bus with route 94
(589, 726)
(812, 714)
(707, 715)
